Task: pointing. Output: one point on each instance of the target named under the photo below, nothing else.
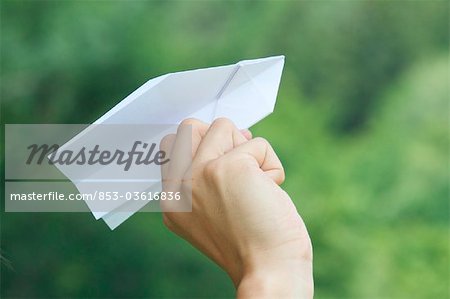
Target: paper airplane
(244, 92)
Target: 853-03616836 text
(97, 195)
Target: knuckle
(192, 125)
(166, 141)
(190, 122)
(213, 169)
(223, 122)
(261, 140)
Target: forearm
(241, 218)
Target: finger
(198, 130)
(189, 135)
(221, 137)
(247, 134)
(264, 156)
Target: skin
(241, 218)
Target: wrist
(291, 279)
(282, 272)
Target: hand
(240, 216)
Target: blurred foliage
(361, 125)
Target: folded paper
(244, 92)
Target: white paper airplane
(244, 92)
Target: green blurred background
(361, 125)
